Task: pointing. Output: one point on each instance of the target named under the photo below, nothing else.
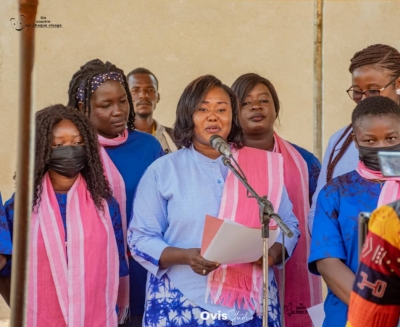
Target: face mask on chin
(68, 161)
(369, 155)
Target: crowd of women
(117, 226)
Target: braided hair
(85, 76)
(46, 120)
(333, 161)
(381, 55)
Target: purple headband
(97, 80)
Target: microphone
(219, 144)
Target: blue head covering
(97, 80)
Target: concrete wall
(180, 40)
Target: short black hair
(375, 106)
(246, 82)
(141, 70)
(85, 75)
(190, 101)
(93, 173)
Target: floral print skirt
(166, 306)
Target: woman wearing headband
(100, 91)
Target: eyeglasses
(358, 95)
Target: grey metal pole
(318, 77)
(24, 188)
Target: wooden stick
(25, 168)
(318, 77)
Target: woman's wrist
(173, 256)
(271, 259)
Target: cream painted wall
(179, 40)
(350, 26)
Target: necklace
(378, 181)
(270, 148)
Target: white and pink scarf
(73, 284)
(241, 284)
(390, 191)
(303, 288)
(117, 185)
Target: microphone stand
(266, 213)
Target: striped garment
(74, 283)
(390, 191)
(117, 185)
(264, 172)
(303, 289)
(375, 299)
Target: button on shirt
(172, 200)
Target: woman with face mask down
(375, 71)
(334, 246)
(76, 251)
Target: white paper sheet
(235, 243)
(317, 314)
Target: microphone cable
(240, 169)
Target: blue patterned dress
(62, 203)
(167, 306)
(5, 239)
(335, 231)
(171, 212)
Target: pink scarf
(74, 284)
(303, 289)
(390, 191)
(117, 185)
(242, 284)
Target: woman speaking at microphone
(169, 213)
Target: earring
(398, 91)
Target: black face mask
(369, 156)
(68, 160)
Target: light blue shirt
(169, 209)
(346, 164)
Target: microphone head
(219, 144)
(214, 139)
